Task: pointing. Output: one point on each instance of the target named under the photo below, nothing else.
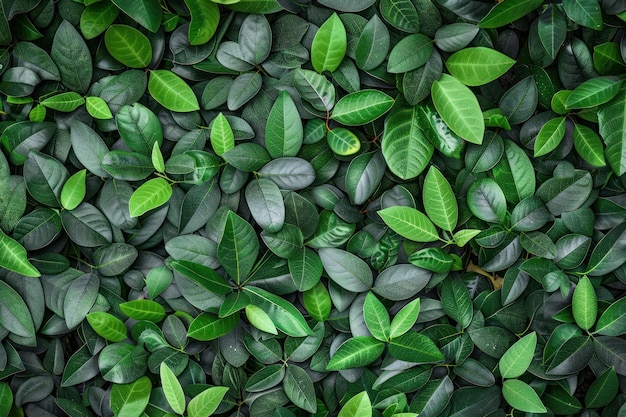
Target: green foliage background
(324, 207)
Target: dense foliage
(316, 207)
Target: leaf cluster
(325, 207)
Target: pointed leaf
(585, 304)
(73, 191)
(439, 200)
(145, 12)
(14, 313)
(205, 403)
(415, 347)
(107, 325)
(376, 317)
(356, 352)
(238, 248)
(329, 45)
(584, 12)
(205, 17)
(409, 223)
(459, 108)
(172, 389)
(361, 107)
(589, 145)
(518, 357)
(171, 91)
(130, 400)
(13, 257)
(283, 132)
(593, 92)
(128, 45)
(357, 406)
(486, 200)
(203, 275)
(613, 321)
(478, 65)
(285, 316)
(522, 397)
(508, 11)
(222, 137)
(299, 388)
(456, 300)
(150, 195)
(404, 319)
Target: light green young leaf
(150, 195)
(518, 357)
(613, 321)
(107, 325)
(376, 317)
(588, 145)
(439, 200)
(522, 397)
(409, 223)
(343, 141)
(508, 11)
(458, 107)
(98, 108)
(357, 406)
(128, 45)
(157, 158)
(205, 403)
(13, 257)
(329, 45)
(585, 304)
(404, 319)
(171, 91)
(259, 319)
(550, 136)
(462, 237)
(356, 352)
(130, 400)
(172, 389)
(65, 102)
(284, 315)
(478, 65)
(143, 310)
(222, 136)
(361, 107)
(73, 191)
(593, 92)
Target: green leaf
(238, 248)
(172, 389)
(588, 145)
(486, 200)
(518, 357)
(612, 322)
(299, 388)
(130, 400)
(71, 55)
(376, 317)
(205, 403)
(107, 325)
(455, 36)
(439, 200)
(612, 124)
(414, 347)
(143, 310)
(519, 102)
(139, 127)
(13, 257)
(73, 191)
(157, 158)
(584, 12)
(361, 107)
(255, 39)
(409, 223)
(203, 275)
(259, 319)
(602, 390)
(478, 65)
(150, 195)
(511, 174)
(317, 302)
(456, 300)
(247, 157)
(285, 316)
(343, 141)
(522, 397)
(208, 326)
(80, 297)
(410, 53)
(462, 237)
(459, 108)
(401, 14)
(585, 304)
(96, 18)
(14, 313)
(508, 11)
(346, 270)
(364, 175)
(405, 147)
(550, 136)
(593, 92)
(6, 399)
(373, 44)
(145, 12)
(357, 406)
(283, 131)
(552, 29)
(305, 269)
(244, 88)
(222, 137)
(65, 102)
(171, 91)
(315, 89)
(128, 45)
(205, 17)
(356, 352)
(404, 319)
(98, 108)
(329, 45)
